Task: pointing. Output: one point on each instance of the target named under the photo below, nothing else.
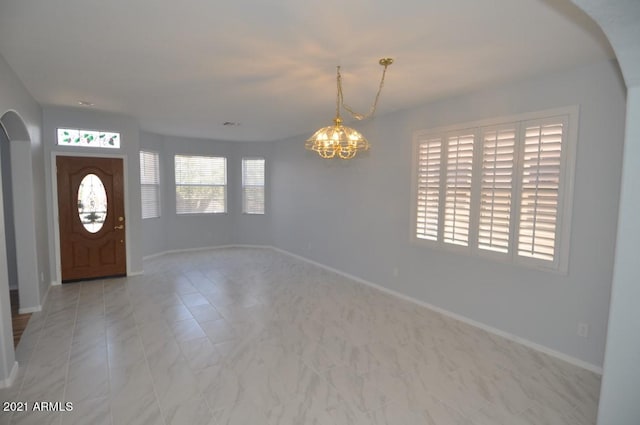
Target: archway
(8, 364)
(19, 211)
(7, 206)
(621, 378)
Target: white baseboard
(36, 308)
(184, 250)
(8, 381)
(253, 246)
(533, 345)
(30, 309)
(204, 248)
(156, 255)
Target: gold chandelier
(338, 140)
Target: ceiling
(186, 67)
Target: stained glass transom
(88, 138)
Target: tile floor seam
(68, 365)
(106, 346)
(148, 368)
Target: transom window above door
(88, 138)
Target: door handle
(120, 227)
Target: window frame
(565, 191)
(156, 185)
(263, 186)
(224, 186)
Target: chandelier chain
(339, 91)
(373, 107)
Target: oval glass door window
(92, 203)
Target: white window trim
(264, 186)
(224, 186)
(565, 205)
(159, 185)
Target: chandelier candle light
(338, 140)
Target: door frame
(56, 211)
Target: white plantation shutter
(496, 187)
(540, 189)
(201, 184)
(253, 185)
(150, 184)
(501, 188)
(459, 175)
(429, 154)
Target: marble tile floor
(252, 336)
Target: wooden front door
(91, 217)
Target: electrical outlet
(583, 330)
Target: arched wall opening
(19, 212)
(621, 378)
(8, 364)
(7, 198)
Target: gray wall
(14, 97)
(7, 354)
(9, 223)
(40, 208)
(176, 232)
(355, 216)
(56, 117)
(621, 380)
(191, 230)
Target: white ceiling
(185, 67)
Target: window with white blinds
(540, 189)
(457, 195)
(428, 188)
(150, 184)
(253, 185)
(498, 188)
(201, 184)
